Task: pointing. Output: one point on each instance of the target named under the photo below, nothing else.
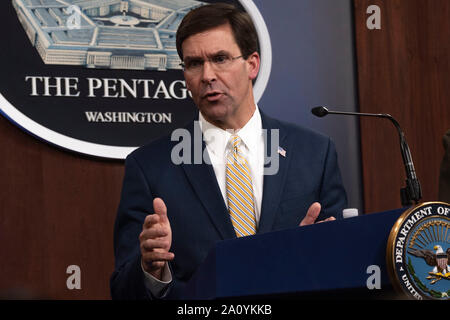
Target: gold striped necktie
(240, 191)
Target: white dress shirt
(218, 146)
(252, 147)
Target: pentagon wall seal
(418, 252)
(102, 77)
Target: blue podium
(331, 257)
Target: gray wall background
(313, 63)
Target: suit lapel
(204, 182)
(273, 184)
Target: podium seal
(418, 252)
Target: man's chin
(214, 112)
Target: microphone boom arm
(412, 191)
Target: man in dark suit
(174, 210)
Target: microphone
(412, 191)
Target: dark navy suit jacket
(197, 212)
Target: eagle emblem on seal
(439, 260)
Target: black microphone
(412, 191)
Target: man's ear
(253, 62)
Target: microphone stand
(412, 191)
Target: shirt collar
(217, 139)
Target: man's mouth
(213, 95)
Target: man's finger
(311, 215)
(156, 256)
(159, 208)
(150, 220)
(327, 219)
(152, 233)
(151, 244)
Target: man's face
(223, 95)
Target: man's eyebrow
(215, 54)
(220, 52)
(192, 58)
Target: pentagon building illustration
(115, 34)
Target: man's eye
(220, 59)
(194, 63)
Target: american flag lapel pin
(282, 151)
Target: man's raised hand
(313, 214)
(156, 239)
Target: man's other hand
(156, 239)
(312, 214)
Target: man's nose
(208, 72)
